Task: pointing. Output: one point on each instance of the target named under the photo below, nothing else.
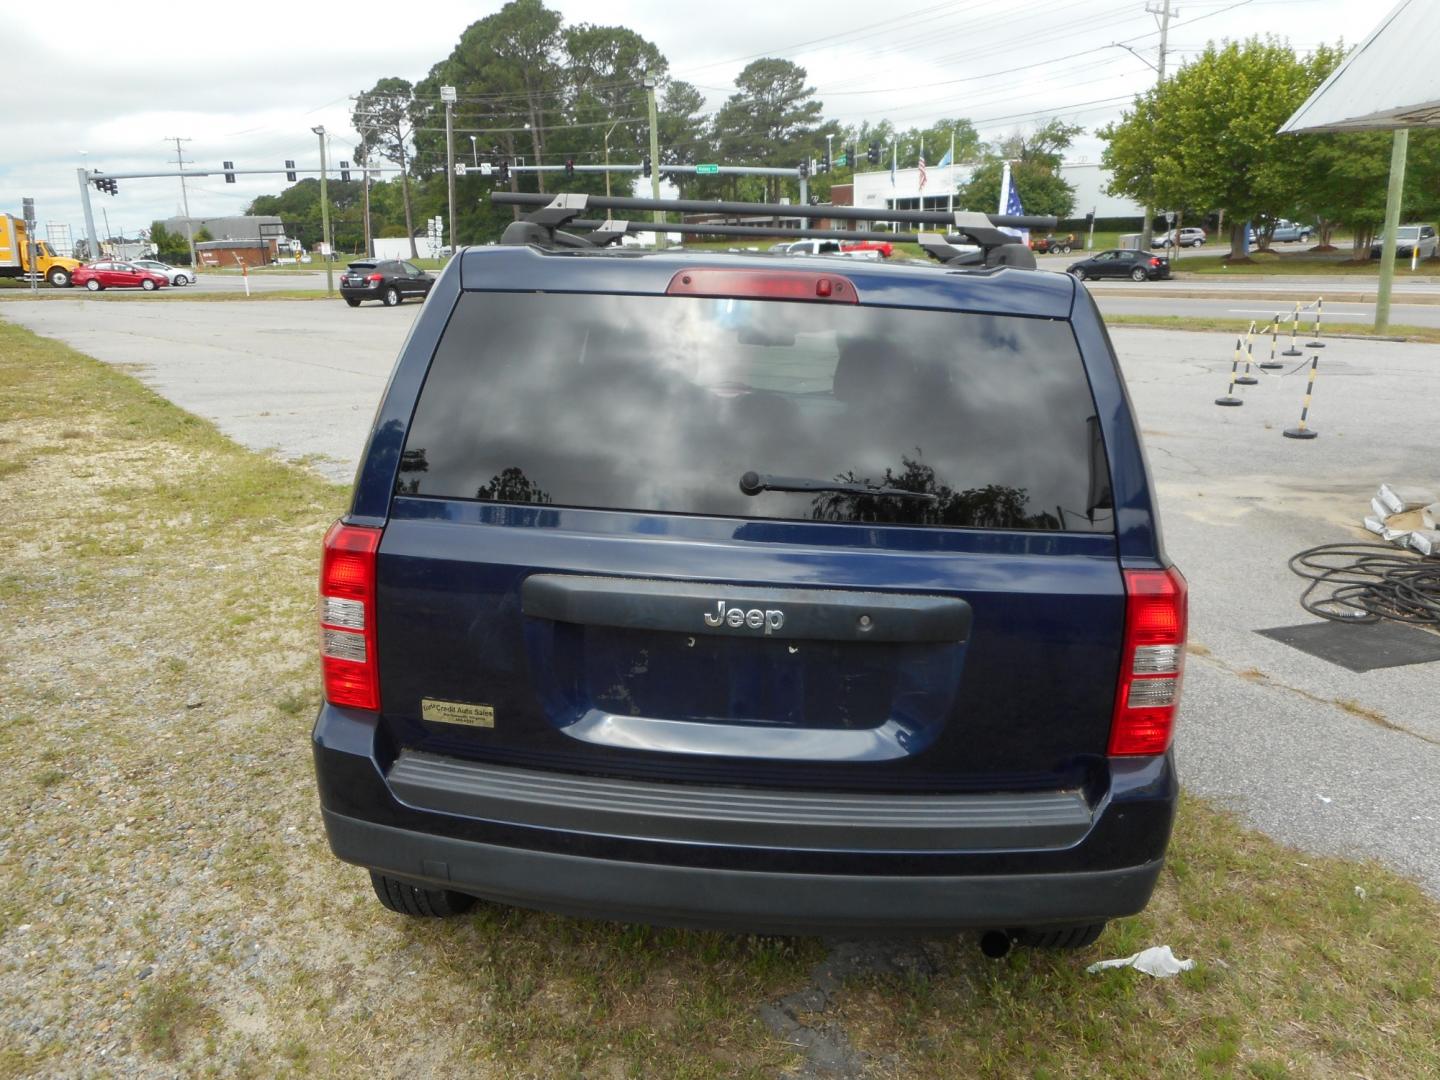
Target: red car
(884, 247)
(117, 275)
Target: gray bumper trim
(740, 900)
(813, 821)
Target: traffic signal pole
(82, 175)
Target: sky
(247, 84)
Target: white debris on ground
(1157, 960)
(1408, 517)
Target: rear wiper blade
(752, 483)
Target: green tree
(1348, 177)
(1209, 141)
(169, 246)
(1035, 158)
(771, 120)
(385, 116)
(203, 235)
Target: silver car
(178, 275)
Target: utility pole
(185, 200)
(325, 213)
(362, 158)
(108, 234)
(1393, 197)
(608, 132)
(447, 95)
(1161, 10)
(649, 84)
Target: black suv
(745, 591)
(388, 280)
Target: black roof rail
(997, 248)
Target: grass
(1429, 334)
(157, 595)
(1281, 262)
(168, 295)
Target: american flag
(1012, 199)
(922, 168)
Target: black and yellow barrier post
(1301, 431)
(1247, 379)
(1319, 308)
(1274, 328)
(1294, 330)
(1230, 398)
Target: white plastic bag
(1157, 960)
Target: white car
(178, 275)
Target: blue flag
(944, 161)
(1012, 199)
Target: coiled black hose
(1365, 583)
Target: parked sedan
(1120, 263)
(117, 275)
(176, 275)
(388, 280)
(1407, 238)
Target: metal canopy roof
(1390, 81)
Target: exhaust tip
(995, 944)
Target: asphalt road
(1231, 307)
(1262, 730)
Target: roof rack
(543, 225)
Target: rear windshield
(655, 403)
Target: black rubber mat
(1361, 646)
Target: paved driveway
(1263, 728)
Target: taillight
(375, 277)
(1154, 262)
(1151, 663)
(347, 616)
(764, 285)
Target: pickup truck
(832, 247)
(1290, 232)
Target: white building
(874, 190)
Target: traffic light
(645, 166)
(872, 153)
(1090, 219)
(502, 173)
(344, 170)
(229, 171)
(804, 169)
(850, 158)
(105, 184)
(824, 166)
(290, 171)
(569, 168)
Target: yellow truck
(15, 255)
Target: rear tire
(94, 285)
(1059, 937)
(1137, 274)
(352, 301)
(392, 297)
(406, 899)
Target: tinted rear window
(662, 403)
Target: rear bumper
(683, 868)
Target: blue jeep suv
(754, 592)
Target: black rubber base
(1247, 380)
(1314, 344)
(1300, 433)
(1270, 365)
(1292, 352)
(1228, 401)
(1361, 646)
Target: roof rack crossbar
(766, 231)
(961, 220)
